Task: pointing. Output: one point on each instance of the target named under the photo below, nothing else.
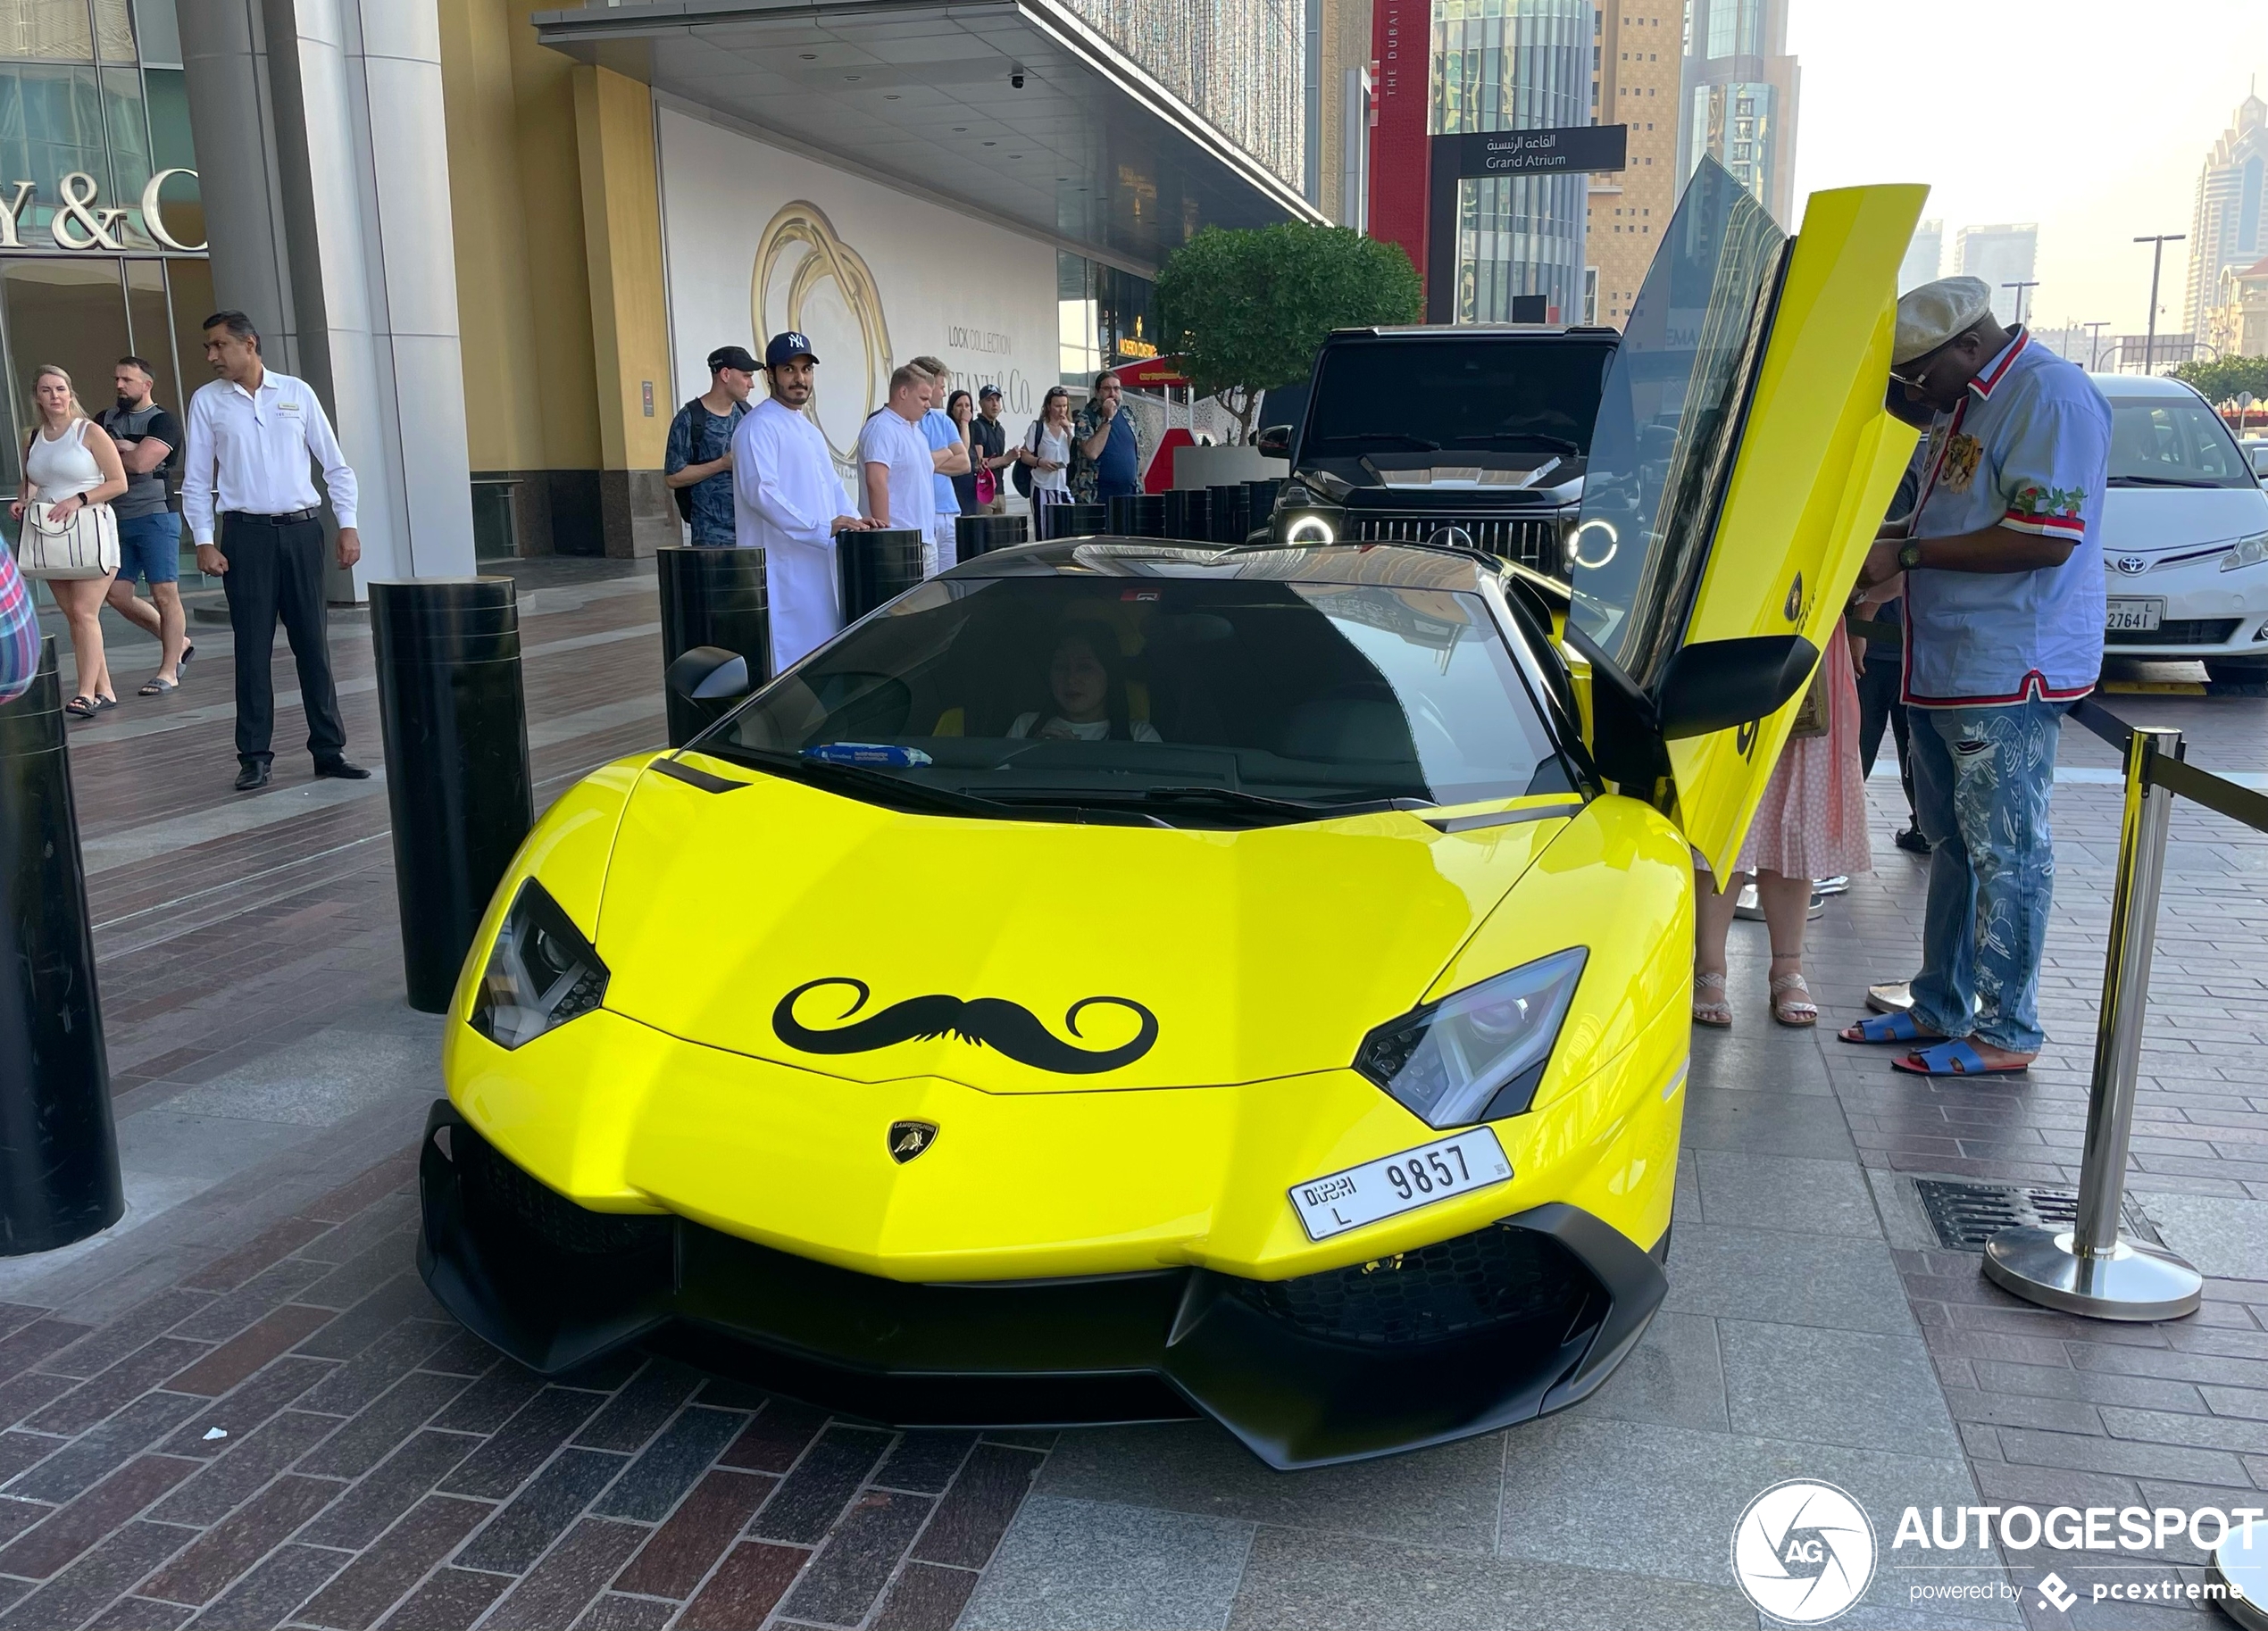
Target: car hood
(790, 924)
(2153, 521)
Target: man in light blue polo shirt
(949, 456)
(2003, 631)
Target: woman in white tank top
(71, 460)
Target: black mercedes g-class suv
(1473, 436)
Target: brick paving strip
(263, 1420)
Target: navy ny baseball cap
(786, 348)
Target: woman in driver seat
(1087, 685)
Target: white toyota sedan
(2185, 535)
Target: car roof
(1412, 566)
(2142, 385)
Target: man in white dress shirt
(251, 435)
(897, 474)
(788, 502)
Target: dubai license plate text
(2135, 614)
(1453, 1165)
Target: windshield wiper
(1237, 798)
(859, 780)
(1526, 438)
(2163, 481)
(1394, 437)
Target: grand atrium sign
(81, 226)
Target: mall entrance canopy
(1090, 151)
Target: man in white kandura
(788, 502)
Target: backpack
(1019, 470)
(684, 495)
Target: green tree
(1247, 310)
(2219, 382)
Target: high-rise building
(2003, 256)
(1738, 95)
(1514, 65)
(1923, 256)
(2230, 227)
(1339, 129)
(1640, 50)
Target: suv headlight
(1476, 1055)
(541, 972)
(2246, 552)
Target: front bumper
(1492, 1328)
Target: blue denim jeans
(1982, 777)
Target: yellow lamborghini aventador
(1122, 979)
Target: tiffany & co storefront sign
(81, 224)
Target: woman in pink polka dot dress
(1811, 824)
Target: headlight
(1478, 1054)
(1309, 529)
(541, 972)
(2246, 552)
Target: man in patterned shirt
(2003, 566)
(19, 631)
(696, 464)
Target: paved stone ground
(240, 1408)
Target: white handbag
(85, 545)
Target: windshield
(2173, 440)
(1668, 423)
(1505, 394)
(1193, 701)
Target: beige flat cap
(1929, 316)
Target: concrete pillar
(321, 152)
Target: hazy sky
(2090, 117)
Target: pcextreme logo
(1803, 1551)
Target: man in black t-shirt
(989, 440)
(149, 533)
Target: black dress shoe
(1910, 839)
(342, 769)
(254, 774)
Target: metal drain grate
(1965, 1215)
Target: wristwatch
(1910, 556)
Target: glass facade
(1514, 65)
(1733, 124)
(1240, 63)
(1105, 318)
(93, 107)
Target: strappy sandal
(158, 687)
(103, 705)
(1717, 1013)
(1797, 1014)
(81, 707)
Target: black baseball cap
(786, 348)
(990, 390)
(731, 356)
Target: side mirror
(708, 674)
(1721, 683)
(1274, 442)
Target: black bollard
(456, 722)
(711, 597)
(877, 566)
(1231, 509)
(980, 535)
(1261, 503)
(1138, 515)
(1076, 520)
(1189, 514)
(58, 1149)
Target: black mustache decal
(1009, 1027)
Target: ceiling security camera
(1017, 78)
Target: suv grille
(1532, 541)
(1496, 1277)
(2177, 631)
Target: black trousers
(277, 570)
(1878, 705)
